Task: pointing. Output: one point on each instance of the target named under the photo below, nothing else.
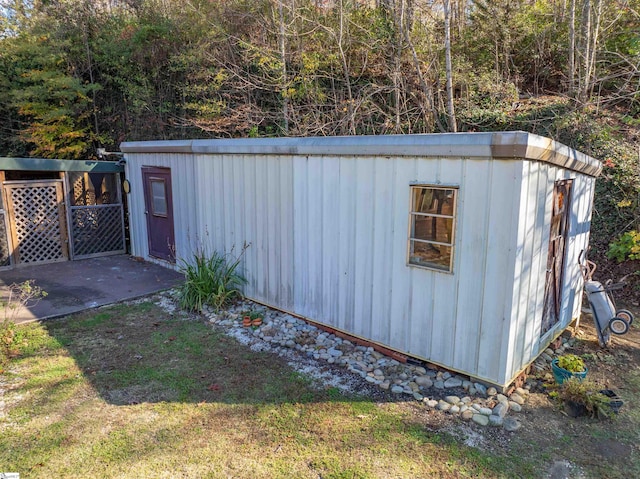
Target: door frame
(163, 173)
(557, 254)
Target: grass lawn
(131, 391)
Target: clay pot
(246, 321)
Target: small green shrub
(627, 246)
(571, 363)
(587, 394)
(212, 280)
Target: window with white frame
(432, 226)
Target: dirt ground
(585, 447)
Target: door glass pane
(159, 197)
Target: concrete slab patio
(73, 286)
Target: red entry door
(159, 212)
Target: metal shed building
(458, 249)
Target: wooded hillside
(76, 75)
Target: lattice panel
(4, 242)
(37, 223)
(97, 230)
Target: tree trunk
(572, 48)
(283, 59)
(451, 115)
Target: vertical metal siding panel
(216, 198)
(577, 240)
(501, 232)
(272, 202)
(228, 205)
(400, 315)
(314, 185)
(348, 215)
(180, 175)
(367, 322)
(301, 235)
(250, 226)
(137, 229)
(285, 221)
(539, 240)
(422, 281)
(331, 240)
(386, 322)
(522, 264)
(239, 194)
(473, 199)
(262, 228)
(445, 290)
(581, 224)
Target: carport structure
(59, 210)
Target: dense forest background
(77, 75)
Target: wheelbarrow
(608, 320)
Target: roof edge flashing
(49, 164)
(500, 145)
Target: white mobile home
(458, 249)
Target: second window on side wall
(432, 227)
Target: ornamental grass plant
(210, 280)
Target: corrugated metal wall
(328, 240)
(531, 260)
(185, 202)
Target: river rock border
(297, 340)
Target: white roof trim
(498, 145)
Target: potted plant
(584, 398)
(568, 366)
(256, 319)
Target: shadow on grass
(140, 354)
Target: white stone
(432, 403)
(424, 381)
(514, 406)
(516, 398)
(452, 399)
(480, 419)
(501, 398)
(454, 410)
(492, 391)
(485, 411)
(501, 409)
(466, 415)
(511, 424)
(480, 388)
(495, 420)
(397, 389)
(443, 405)
(453, 383)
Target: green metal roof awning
(47, 164)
